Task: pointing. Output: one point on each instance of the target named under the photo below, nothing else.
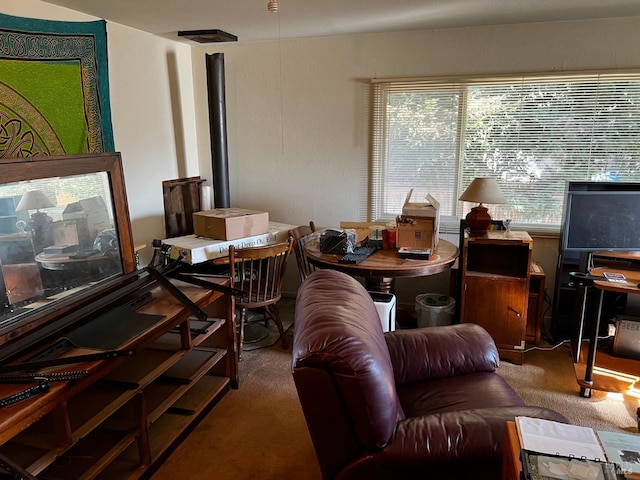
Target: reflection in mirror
(56, 234)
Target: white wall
(298, 110)
(152, 105)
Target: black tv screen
(602, 220)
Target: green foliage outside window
(533, 134)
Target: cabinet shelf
(476, 273)
(120, 423)
(167, 429)
(90, 455)
(162, 394)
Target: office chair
(259, 271)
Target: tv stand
(121, 418)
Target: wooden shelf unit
(495, 287)
(131, 411)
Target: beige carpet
(548, 379)
(258, 431)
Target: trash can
(434, 309)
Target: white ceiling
(249, 20)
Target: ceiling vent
(208, 36)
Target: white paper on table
(555, 438)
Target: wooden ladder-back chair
(301, 235)
(259, 271)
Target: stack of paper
(554, 438)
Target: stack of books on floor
(553, 450)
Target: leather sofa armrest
(437, 352)
(463, 436)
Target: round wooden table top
(386, 263)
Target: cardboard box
(430, 207)
(199, 249)
(419, 223)
(230, 223)
(93, 210)
(72, 232)
(417, 232)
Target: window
(531, 133)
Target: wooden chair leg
(243, 316)
(274, 313)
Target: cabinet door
(499, 304)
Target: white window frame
(450, 220)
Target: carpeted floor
(547, 378)
(258, 431)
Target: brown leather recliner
(421, 403)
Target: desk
(384, 266)
(587, 373)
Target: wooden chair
(259, 271)
(301, 235)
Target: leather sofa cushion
(463, 392)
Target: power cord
(605, 337)
(546, 348)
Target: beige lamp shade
(34, 200)
(481, 190)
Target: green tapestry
(54, 88)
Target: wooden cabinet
(118, 421)
(19, 272)
(495, 288)
(535, 311)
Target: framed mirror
(65, 238)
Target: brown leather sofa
(417, 403)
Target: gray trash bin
(434, 309)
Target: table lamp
(40, 222)
(481, 190)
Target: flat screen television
(600, 216)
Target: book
(415, 253)
(623, 449)
(566, 440)
(57, 249)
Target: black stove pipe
(218, 129)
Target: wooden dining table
(382, 267)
